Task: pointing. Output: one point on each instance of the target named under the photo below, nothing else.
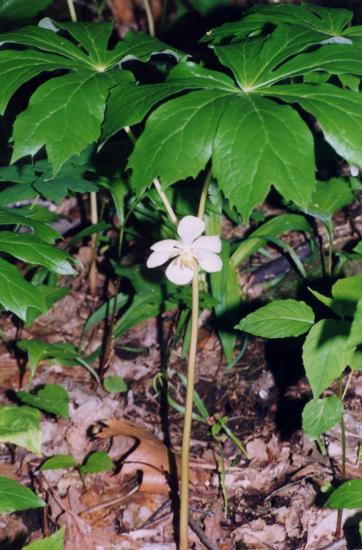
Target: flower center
(186, 258)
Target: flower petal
(157, 258)
(212, 243)
(189, 228)
(209, 261)
(167, 246)
(179, 274)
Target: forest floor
(270, 498)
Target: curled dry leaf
(140, 451)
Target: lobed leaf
(258, 144)
(74, 104)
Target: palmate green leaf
(129, 103)
(54, 542)
(348, 495)
(273, 59)
(279, 319)
(259, 144)
(16, 294)
(35, 251)
(327, 21)
(17, 69)
(65, 113)
(51, 398)
(21, 426)
(15, 497)
(15, 10)
(73, 104)
(320, 415)
(46, 40)
(326, 353)
(179, 134)
(339, 113)
(346, 293)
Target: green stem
(186, 436)
(72, 12)
(156, 182)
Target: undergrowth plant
(168, 157)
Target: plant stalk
(72, 12)
(184, 500)
(156, 182)
(203, 196)
(150, 19)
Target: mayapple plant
(250, 117)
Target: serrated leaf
(45, 40)
(55, 542)
(114, 384)
(34, 251)
(15, 10)
(178, 139)
(348, 495)
(129, 103)
(97, 462)
(326, 353)
(74, 104)
(259, 144)
(21, 426)
(279, 319)
(25, 217)
(58, 462)
(338, 111)
(16, 294)
(275, 57)
(15, 497)
(50, 398)
(16, 70)
(327, 21)
(320, 415)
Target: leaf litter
(272, 494)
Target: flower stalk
(186, 436)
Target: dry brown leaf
(142, 452)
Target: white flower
(190, 251)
